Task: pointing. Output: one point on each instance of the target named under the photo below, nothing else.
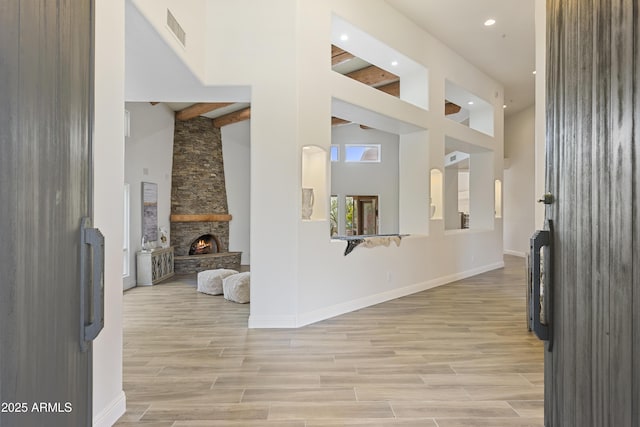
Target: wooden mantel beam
(196, 110)
(373, 76)
(235, 117)
(200, 218)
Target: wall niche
(313, 194)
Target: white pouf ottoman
(210, 281)
(236, 287)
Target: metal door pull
(541, 274)
(92, 247)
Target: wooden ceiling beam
(336, 121)
(338, 55)
(451, 108)
(235, 117)
(373, 76)
(391, 89)
(196, 110)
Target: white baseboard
(110, 415)
(515, 253)
(258, 322)
(357, 304)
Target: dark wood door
(592, 374)
(45, 82)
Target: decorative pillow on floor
(210, 281)
(236, 287)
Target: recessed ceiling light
(394, 63)
(344, 37)
(504, 106)
(534, 71)
(470, 102)
(489, 22)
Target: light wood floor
(454, 356)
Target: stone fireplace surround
(199, 197)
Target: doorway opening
(361, 217)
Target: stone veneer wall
(196, 264)
(198, 185)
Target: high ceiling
(504, 51)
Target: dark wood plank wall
(9, 70)
(45, 68)
(621, 242)
(636, 225)
(592, 375)
(582, 91)
(596, 407)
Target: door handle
(91, 283)
(541, 275)
(547, 199)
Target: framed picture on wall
(149, 212)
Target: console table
(154, 265)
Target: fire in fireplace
(205, 244)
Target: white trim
(357, 304)
(515, 253)
(110, 415)
(126, 257)
(127, 123)
(256, 322)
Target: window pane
(351, 225)
(362, 153)
(335, 153)
(333, 216)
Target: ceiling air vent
(176, 29)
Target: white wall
(148, 158)
(367, 179)
(281, 49)
(330, 283)
(481, 191)
(108, 397)
(414, 182)
(155, 69)
(236, 153)
(256, 43)
(191, 16)
(519, 182)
